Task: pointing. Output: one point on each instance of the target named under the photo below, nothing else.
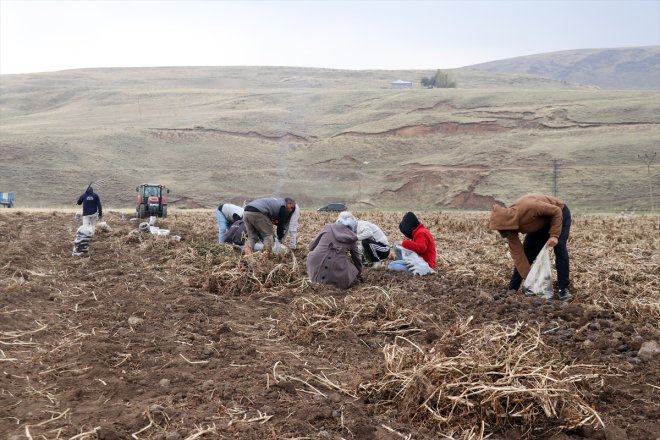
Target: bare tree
(648, 159)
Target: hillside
(216, 134)
(634, 68)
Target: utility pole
(362, 164)
(647, 160)
(555, 175)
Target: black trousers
(533, 244)
(375, 251)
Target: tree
(440, 80)
(443, 81)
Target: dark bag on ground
(236, 234)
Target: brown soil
(471, 200)
(185, 203)
(150, 338)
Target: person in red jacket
(419, 241)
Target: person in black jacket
(92, 210)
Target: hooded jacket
(420, 239)
(91, 203)
(530, 213)
(327, 262)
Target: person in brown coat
(327, 262)
(544, 220)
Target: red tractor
(151, 200)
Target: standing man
(92, 210)
(225, 215)
(545, 220)
(260, 215)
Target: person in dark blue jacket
(92, 210)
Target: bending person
(225, 215)
(375, 245)
(260, 215)
(545, 220)
(328, 260)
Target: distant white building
(401, 84)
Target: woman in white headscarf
(374, 242)
(328, 261)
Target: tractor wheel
(164, 212)
(142, 211)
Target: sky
(50, 35)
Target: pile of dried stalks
(614, 262)
(240, 276)
(370, 310)
(492, 377)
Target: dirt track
(152, 338)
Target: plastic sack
(414, 262)
(279, 248)
(104, 226)
(82, 241)
(539, 279)
(158, 231)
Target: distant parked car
(333, 207)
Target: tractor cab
(151, 200)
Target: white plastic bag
(539, 279)
(104, 226)
(158, 231)
(279, 248)
(82, 241)
(414, 262)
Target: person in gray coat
(260, 215)
(327, 262)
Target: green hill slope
(320, 135)
(634, 68)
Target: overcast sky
(48, 35)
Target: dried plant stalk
(492, 375)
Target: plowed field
(151, 338)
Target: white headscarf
(347, 219)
